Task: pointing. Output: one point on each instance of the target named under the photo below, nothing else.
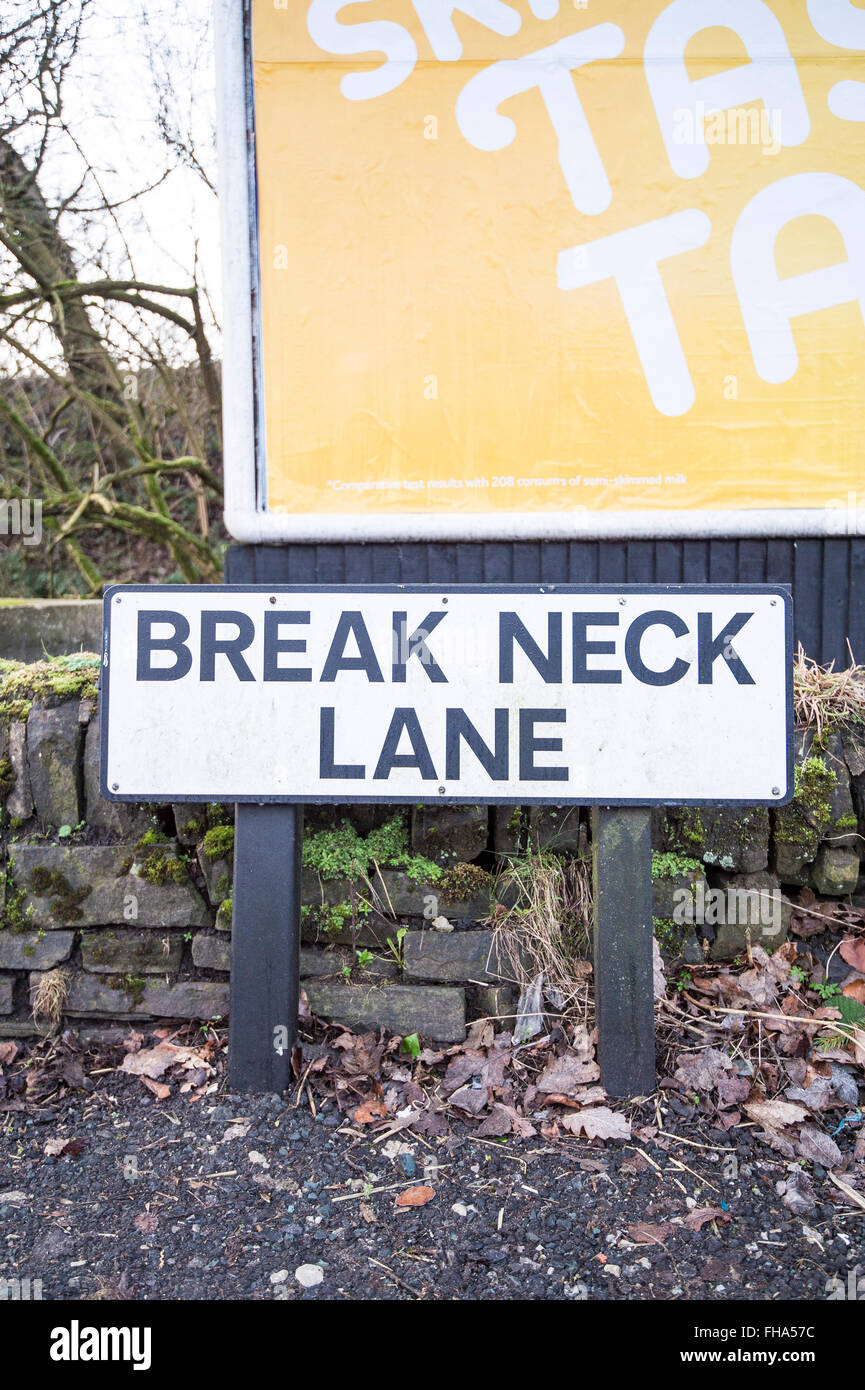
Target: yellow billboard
(558, 258)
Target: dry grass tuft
(49, 997)
(542, 925)
(821, 694)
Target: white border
(247, 521)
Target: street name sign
(582, 695)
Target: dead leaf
(853, 952)
(649, 1233)
(562, 1075)
(53, 1148)
(815, 1145)
(414, 1197)
(697, 1219)
(659, 979)
(797, 1192)
(159, 1088)
(146, 1222)
(8, 1052)
(775, 1114)
(598, 1122)
(370, 1111)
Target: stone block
(31, 626)
(54, 748)
(19, 802)
(211, 952)
(322, 962)
(136, 998)
(433, 1011)
(509, 822)
(119, 817)
(743, 908)
(735, 838)
(34, 950)
(218, 876)
(449, 956)
(94, 886)
(7, 983)
(495, 1001)
(554, 828)
(836, 871)
(449, 834)
(190, 822)
(123, 952)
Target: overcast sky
(112, 105)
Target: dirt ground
(111, 1192)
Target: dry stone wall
(115, 913)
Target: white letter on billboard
(548, 69)
(768, 303)
(631, 259)
(379, 36)
(435, 16)
(770, 76)
(839, 22)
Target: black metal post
(265, 946)
(624, 999)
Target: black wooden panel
(827, 576)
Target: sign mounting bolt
(115, 786)
(776, 791)
(441, 791)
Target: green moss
(131, 985)
(670, 935)
(59, 678)
(14, 916)
(342, 853)
(220, 814)
(463, 881)
(847, 822)
(222, 886)
(64, 900)
(159, 866)
(803, 820)
(672, 865)
(7, 777)
(152, 837)
(218, 843)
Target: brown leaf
(146, 1222)
(817, 1146)
(649, 1233)
(855, 989)
(797, 1193)
(562, 1075)
(8, 1052)
(368, 1112)
(159, 1088)
(853, 952)
(696, 1219)
(53, 1148)
(414, 1197)
(775, 1114)
(598, 1122)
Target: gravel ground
(230, 1197)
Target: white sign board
(413, 693)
